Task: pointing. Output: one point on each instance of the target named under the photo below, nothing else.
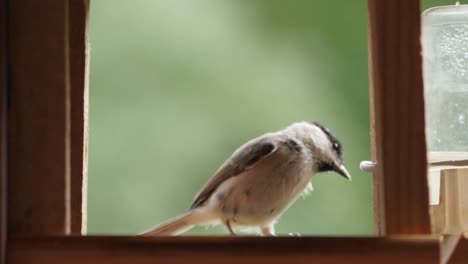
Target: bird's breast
(261, 195)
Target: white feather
(307, 190)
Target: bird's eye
(336, 146)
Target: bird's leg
(228, 225)
(268, 230)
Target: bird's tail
(179, 224)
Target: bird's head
(326, 149)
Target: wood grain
(79, 76)
(37, 117)
(398, 103)
(377, 182)
(3, 129)
(139, 250)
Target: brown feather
(245, 158)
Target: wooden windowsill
(135, 250)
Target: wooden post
(38, 118)
(398, 104)
(79, 72)
(3, 130)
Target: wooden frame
(3, 130)
(39, 118)
(79, 69)
(401, 189)
(247, 250)
(460, 252)
(43, 152)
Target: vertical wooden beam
(378, 205)
(79, 72)
(3, 129)
(38, 127)
(398, 103)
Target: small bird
(261, 180)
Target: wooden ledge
(136, 250)
(460, 254)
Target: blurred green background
(177, 86)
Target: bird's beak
(342, 171)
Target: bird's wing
(245, 158)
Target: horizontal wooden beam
(142, 250)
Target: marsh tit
(261, 180)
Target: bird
(261, 180)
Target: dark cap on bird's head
(334, 161)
